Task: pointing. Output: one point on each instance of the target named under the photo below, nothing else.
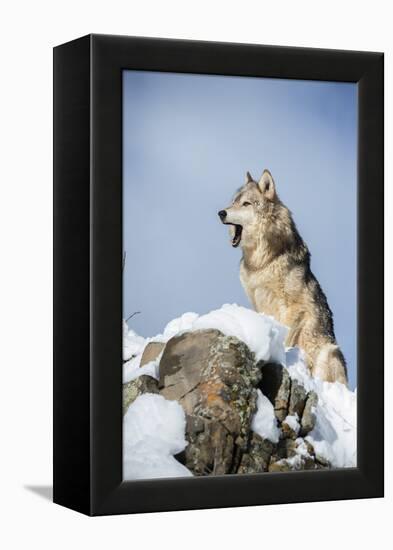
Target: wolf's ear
(248, 178)
(267, 186)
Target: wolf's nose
(222, 214)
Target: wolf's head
(251, 208)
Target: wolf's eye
(246, 204)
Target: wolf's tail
(330, 365)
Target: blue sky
(187, 142)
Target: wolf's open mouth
(237, 237)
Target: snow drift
(153, 431)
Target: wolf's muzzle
(222, 215)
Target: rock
(297, 400)
(182, 364)
(290, 427)
(310, 464)
(301, 463)
(309, 417)
(309, 447)
(257, 458)
(276, 385)
(136, 387)
(280, 466)
(294, 455)
(321, 461)
(286, 448)
(151, 352)
(213, 377)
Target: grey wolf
(276, 276)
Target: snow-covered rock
(334, 435)
(299, 422)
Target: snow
(178, 326)
(261, 333)
(153, 431)
(133, 349)
(264, 422)
(132, 369)
(335, 433)
(132, 343)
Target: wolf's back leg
(330, 365)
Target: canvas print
(239, 275)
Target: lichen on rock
(138, 386)
(213, 377)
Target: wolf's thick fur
(275, 273)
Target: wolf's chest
(266, 292)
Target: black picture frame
(88, 274)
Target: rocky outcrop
(256, 458)
(215, 379)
